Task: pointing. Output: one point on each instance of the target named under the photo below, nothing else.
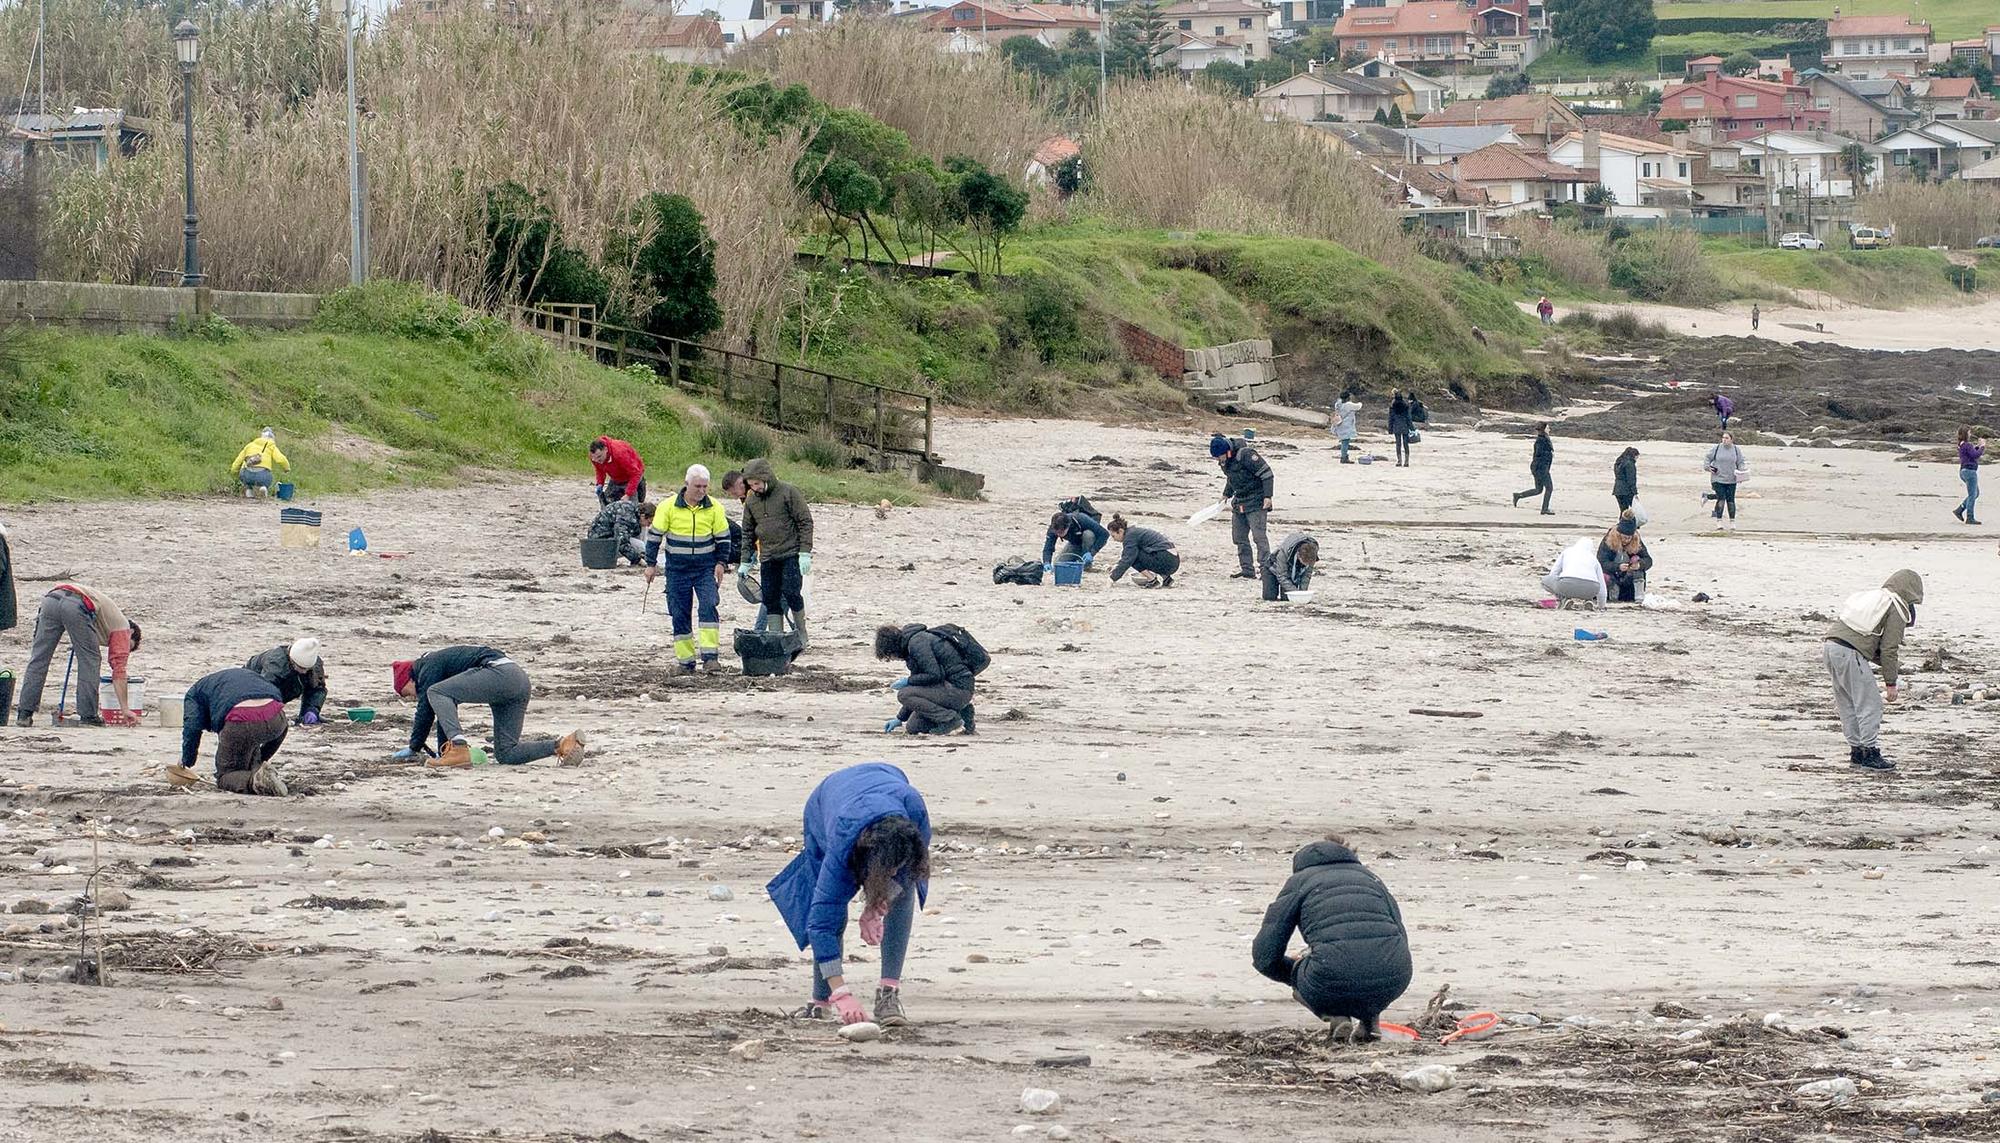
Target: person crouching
(1357, 958)
(247, 715)
(936, 698)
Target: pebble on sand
(1429, 1079)
(748, 1051)
(1839, 1089)
(862, 1032)
(1040, 1101)
(720, 893)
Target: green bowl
(361, 714)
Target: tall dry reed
(1571, 253)
(948, 104)
(1171, 155)
(456, 106)
(1953, 213)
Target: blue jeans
(895, 940)
(1971, 478)
(1345, 443)
(254, 477)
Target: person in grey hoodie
(1145, 550)
(1726, 465)
(1291, 567)
(1869, 629)
(1344, 412)
(1357, 957)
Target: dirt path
(1942, 327)
(1647, 841)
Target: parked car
(1990, 242)
(1870, 238)
(1799, 240)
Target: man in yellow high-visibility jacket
(690, 539)
(256, 466)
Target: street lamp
(187, 49)
(357, 259)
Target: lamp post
(187, 49)
(357, 259)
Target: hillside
(394, 387)
(1950, 19)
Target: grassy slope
(1953, 19)
(1892, 278)
(95, 416)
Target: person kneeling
(936, 698)
(1145, 551)
(1576, 576)
(247, 715)
(1625, 561)
(466, 675)
(1357, 958)
(1291, 567)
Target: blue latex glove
(805, 563)
(1087, 557)
(899, 684)
(892, 726)
(743, 570)
(309, 718)
(1048, 569)
(403, 755)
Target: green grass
(1892, 279)
(92, 417)
(1951, 19)
(1646, 64)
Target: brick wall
(1163, 356)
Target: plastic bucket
(1069, 573)
(600, 554)
(107, 699)
(361, 714)
(766, 652)
(285, 490)
(169, 713)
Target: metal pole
(357, 258)
(42, 57)
(1103, 34)
(190, 259)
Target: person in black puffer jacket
(937, 696)
(1357, 959)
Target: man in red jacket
(621, 475)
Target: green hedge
(1775, 25)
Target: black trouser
(1725, 496)
(1624, 500)
(615, 490)
(1402, 446)
(241, 747)
(1544, 484)
(933, 707)
(1159, 563)
(782, 585)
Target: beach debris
(1429, 1079)
(1040, 1101)
(1839, 1089)
(861, 1032)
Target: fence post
(878, 423)
(828, 378)
(621, 349)
(674, 364)
(778, 389)
(728, 375)
(927, 429)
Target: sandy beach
(1652, 844)
(1975, 326)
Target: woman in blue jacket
(866, 832)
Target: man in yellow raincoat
(256, 466)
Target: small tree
(1597, 194)
(1603, 29)
(1026, 53)
(1739, 63)
(1381, 116)
(1857, 162)
(991, 206)
(1395, 115)
(1508, 83)
(676, 266)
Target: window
(1849, 48)
(1243, 21)
(956, 13)
(1388, 45)
(1760, 124)
(1437, 45)
(1823, 104)
(1645, 170)
(1902, 45)
(1693, 100)
(1361, 45)
(1186, 25)
(1218, 29)
(1684, 169)
(1746, 101)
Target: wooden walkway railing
(792, 398)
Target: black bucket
(766, 652)
(600, 554)
(6, 696)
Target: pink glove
(848, 1007)
(871, 924)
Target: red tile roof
(1875, 26)
(1420, 17)
(1952, 87)
(1503, 162)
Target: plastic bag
(1640, 516)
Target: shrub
(1951, 213)
(822, 450)
(1048, 311)
(736, 438)
(675, 268)
(1664, 265)
(1567, 252)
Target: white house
(1875, 46)
(1191, 52)
(1649, 178)
(1942, 147)
(1327, 95)
(1426, 94)
(1799, 163)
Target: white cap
(696, 472)
(305, 653)
(269, 435)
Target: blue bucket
(1069, 573)
(285, 491)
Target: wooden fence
(881, 418)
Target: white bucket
(107, 699)
(1299, 596)
(169, 714)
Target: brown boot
(454, 754)
(569, 752)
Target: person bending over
(867, 831)
(1080, 535)
(1145, 551)
(451, 677)
(1357, 957)
(936, 697)
(297, 671)
(1292, 566)
(247, 716)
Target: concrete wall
(147, 309)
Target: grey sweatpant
(1854, 694)
(62, 614)
(1570, 587)
(502, 686)
(1247, 526)
(927, 708)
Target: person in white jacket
(1576, 575)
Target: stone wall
(101, 308)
